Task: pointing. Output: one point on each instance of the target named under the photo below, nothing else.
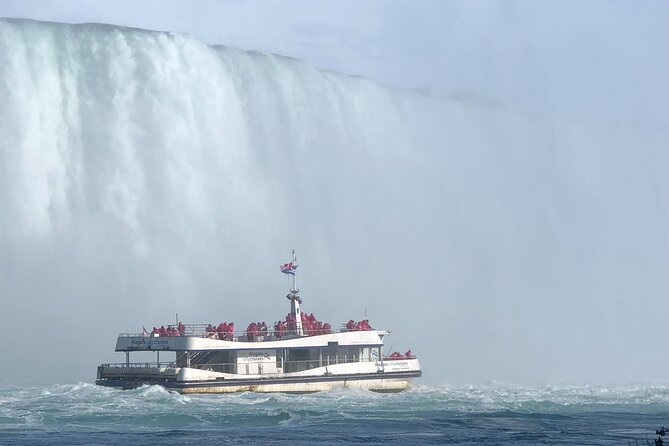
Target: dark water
(84, 414)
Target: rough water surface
(78, 414)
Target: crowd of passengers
(256, 330)
(224, 331)
(180, 330)
(362, 325)
(398, 355)
(311, 326)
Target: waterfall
(146, 173)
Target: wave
(504, 414)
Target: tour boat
(298, 355)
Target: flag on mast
(289, 268)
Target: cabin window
(340, 355)
(280, 357)
(329, 355)
(353, 354)
(298, 359)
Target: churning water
(491, 414)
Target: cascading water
(146, 173)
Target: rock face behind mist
(145, 173)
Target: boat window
(349, 354)
(330, 355)
(280, 357)
(298, 359)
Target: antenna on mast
(293, 285)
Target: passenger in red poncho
(290, 322)
(251, 331)
(222, 330)
(363, 325)
(278, 329)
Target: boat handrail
(145, 364)
(199, 330)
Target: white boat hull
(376, 385)
(391, 376)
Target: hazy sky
(598, 58)
(525, 186)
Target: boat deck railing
(200, 331)
(141, 365)
(287, 365)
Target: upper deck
(194, 337)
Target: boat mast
(293, 295)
